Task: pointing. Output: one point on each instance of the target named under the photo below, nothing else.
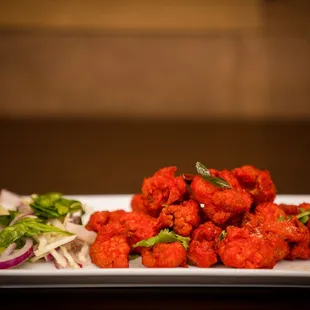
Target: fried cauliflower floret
(138, 226)
(294, 232)
(111, 253)
(271, 219)
(164, 255)
(202, 249)
(242, 248)
(97, 220)
(138, 203)
(111, 249)
(101, 218)
(115, 216)
(115, 240)
(270, 212)
(110, 230)
(182, 218)
(257, 182)
(265, 214)
(293, 209)
(299, 250)
(289, 209)
(281, 248)
(162, 189)
(220, 204)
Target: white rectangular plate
(285, 273)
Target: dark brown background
(113, 156)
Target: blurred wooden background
(95, 95)
(167, 59)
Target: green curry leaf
(303, 216)
(133, 256)
(164, 236)
(204, 172)
(223, 235)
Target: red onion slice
(48, 257)
(17, 257)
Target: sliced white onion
(36, 258)
(42, 243)
(25, 209)
(75, 218)
(48, 257)
(83, 255)
(9, 200)
(60, 260)
(17, 257)
(81, 232)
(67, 219)
(52, 246)
(9, 250)
(69, 258)
(77, 260)
(57, 223)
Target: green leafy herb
(5, 220)
(281, 218)
(204, 172)
(53, 205)
(223, 235)
(164, 236)
(303, 216)
(304, 219)
(26, 227)
(133, 256)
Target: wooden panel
(252, 83)
(290, 76)
(129, 15)
(175, 77)
(154, 77)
